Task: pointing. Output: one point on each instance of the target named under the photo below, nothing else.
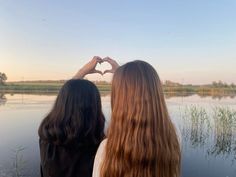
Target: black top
(71, 160)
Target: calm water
(207, 126)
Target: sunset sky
(186, 41)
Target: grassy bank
(201, 90)
(38, 87)
(54, 86)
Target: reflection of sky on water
(208, 140)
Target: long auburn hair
(142, 141)
(76, 116)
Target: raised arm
(89, 68)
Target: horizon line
(62, 80)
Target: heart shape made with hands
(103, 66)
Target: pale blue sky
(185, 40)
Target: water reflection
(3, 99)
(220, 122)
(105, 93)
(217, 96)
(169, 95)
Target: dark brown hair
(142, 141)
(76, 116)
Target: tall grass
(224, 130)
(196, 125)
(18, 165)
(215, 127)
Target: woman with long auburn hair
(141, 140)
(72, 131)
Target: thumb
(108, 71)
(97, 71)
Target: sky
(187, 41)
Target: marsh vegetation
(213, 129)
(215, 89)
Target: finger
(108, 59)
(108, 71)
(98, 59)
(97, 71)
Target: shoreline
(54, 87)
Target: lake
(207, 126)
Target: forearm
(89, 68)
(79, 75)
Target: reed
(215, 127)
(224, 131)
(18, 163)
(196, 124)
(17, 169)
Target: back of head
(142, 141)
(76, 116)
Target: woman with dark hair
(141, 140)
(71, 133)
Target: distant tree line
(215, 84)
(221, 84)
(3, 78)
(169, 83)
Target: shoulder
(103, 144)
(99, 158)
(101, 150)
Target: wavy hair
(142, 141)
(75, 117)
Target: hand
(113, 64)
(89, 68)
